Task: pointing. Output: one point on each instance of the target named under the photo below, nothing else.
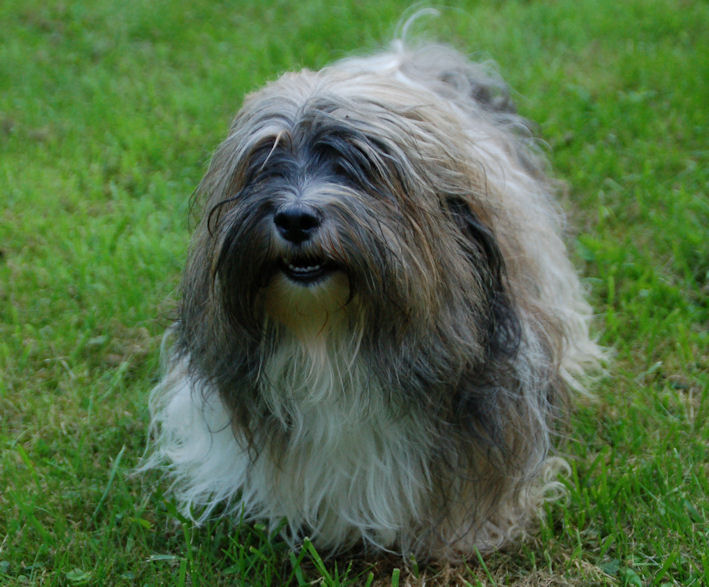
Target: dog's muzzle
(299, 224)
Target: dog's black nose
(297, 223)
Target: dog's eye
(354, 161)
(268, 163)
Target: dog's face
(349, 211)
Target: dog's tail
(447, 71)
(475, 87)
(453, 76)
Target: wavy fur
(379, 321)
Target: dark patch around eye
(269, 162)
(352, 158)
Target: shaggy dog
(379, 323)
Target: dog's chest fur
(341, 455)
(332, 457)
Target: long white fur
(351, 472)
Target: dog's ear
(483, 253)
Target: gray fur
(407, 398)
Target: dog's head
(343, 203)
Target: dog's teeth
(308, 269)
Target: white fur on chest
(349, 470)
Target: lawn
(108, 114)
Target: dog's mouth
(306, 270)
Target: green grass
(108, 114)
